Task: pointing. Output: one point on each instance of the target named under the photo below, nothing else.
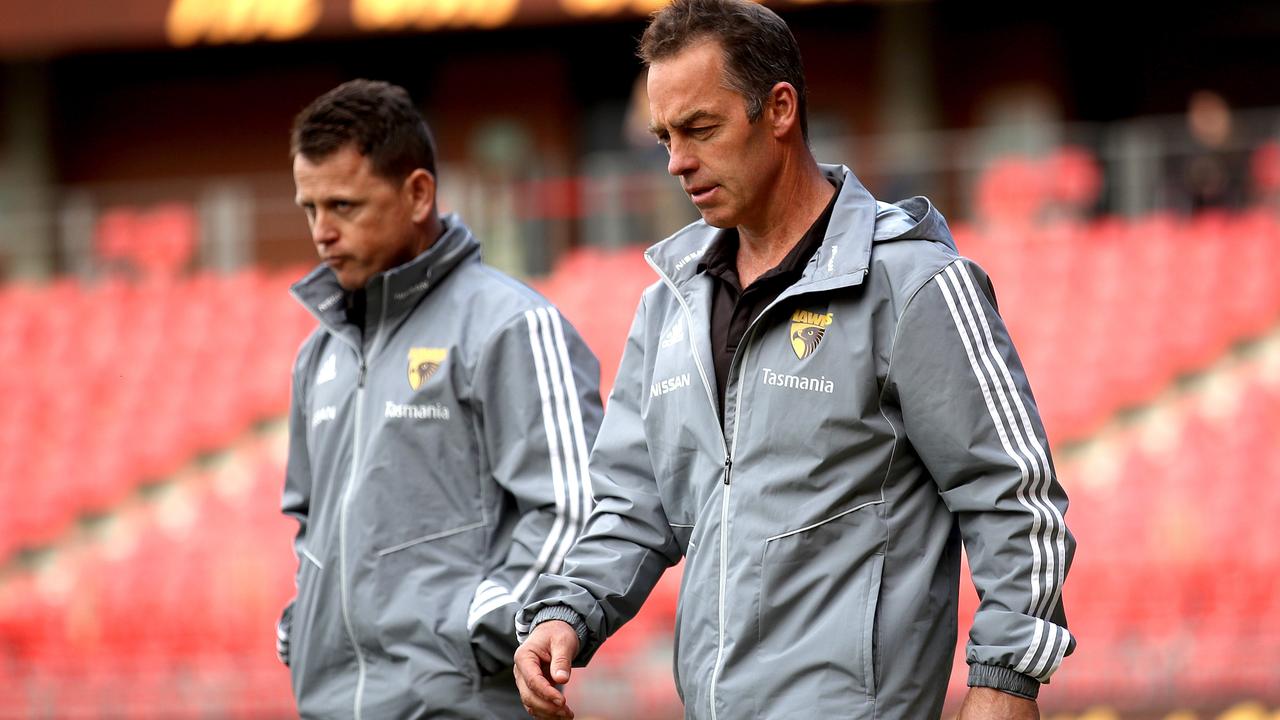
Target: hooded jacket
(876, 415)
(437, 465)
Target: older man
(816, 405)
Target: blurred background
(1114, 166)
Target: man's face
(361, 223)
(724, 162)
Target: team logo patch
(807, 329)
(423, 363)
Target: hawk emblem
(423, 363)
(807, 329)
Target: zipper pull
(728, 464)
(360, 382)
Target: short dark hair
(378, 118)
(759, 49)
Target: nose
(323, 231)
(680, 160)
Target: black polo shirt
(732, 307)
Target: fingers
(541, 699)
(564, 647)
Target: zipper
(347, 494)
(342, 542)
(745, 347)
(728, 468)
(730, 445)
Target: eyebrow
(324, 201)
(684, 122)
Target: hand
(545, 658)
(983, 703)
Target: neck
(430, 234)
(426, 236)
(791, 206)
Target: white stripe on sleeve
(575, 412)
(1056, 520)
(555, 458)
(556, 376)
(1032, 537)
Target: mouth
(702, 193)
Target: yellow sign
(431, 14)
(611, 7)
(237, 21)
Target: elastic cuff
(1004, 680)
(566, 614)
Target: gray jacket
(876, 415)
(437, 465)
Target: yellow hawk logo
(807, 329)
(423, 363)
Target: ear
(783, 109)
(421, 189)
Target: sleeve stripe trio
(567, 447)
(1048, 529)
(282, 643)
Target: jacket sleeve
(296, 498)
(968, 412)
(539, 391)
(628, 542)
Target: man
(439, 430)
(816, 403)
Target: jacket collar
(841, 260)
(400, 287)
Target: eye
(701, 131)
(341, 206)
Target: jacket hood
(922, 222)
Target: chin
(349, 283)
(720, 220)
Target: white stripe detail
(433, 536)
(1041, 474)
(314, 561)
(972, 307)
(1057, 657)
(1037, 494)
(478, 613)
(555, 379)
(575, 413)
(807, 528)
(1059, 523)
(557, 473)
(486, 594)
(1018, 460)
(486, 585)
(571, 461)
(1056, 635)
(1024, 663)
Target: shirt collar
(721, 260)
